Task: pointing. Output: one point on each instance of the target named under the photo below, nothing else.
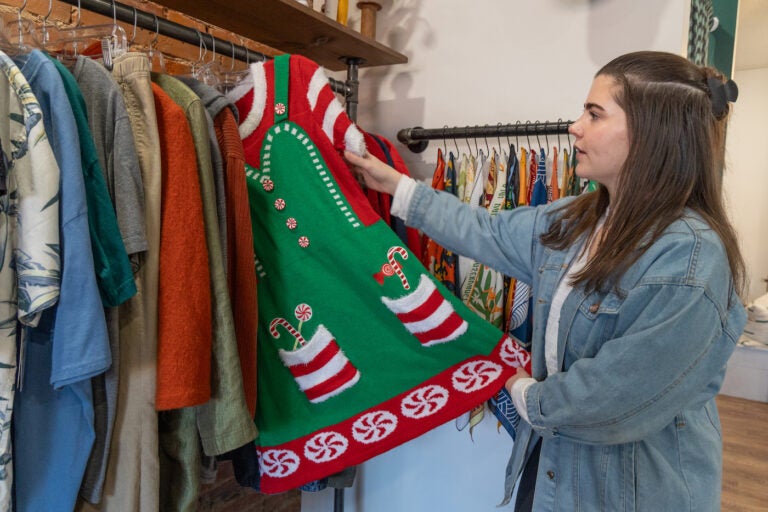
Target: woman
(636, 307)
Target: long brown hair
(675, 161)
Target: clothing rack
(128, 14)
(417, 138)
(149, 21)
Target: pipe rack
(417, 138)
(149, 21)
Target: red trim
(423, 312)
(323, 100)
(335, 382)
(317, 362)
(407, 428)
(443, 330)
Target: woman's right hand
(376, 174)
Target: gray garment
(113, 138)
(110, 126)
(204, 92)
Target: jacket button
(594, 307)
(551, 474)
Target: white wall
(483, 62)
(746, 179)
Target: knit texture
(184, 300)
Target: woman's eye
(592, 115)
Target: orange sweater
(184, 300)
(241, 272)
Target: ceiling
(751, 42)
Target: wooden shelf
(290, 27)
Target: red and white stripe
(320, 368)
(427, 314)
(288, 327)
(396, 266)
(250, 99)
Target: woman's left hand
(520, 374)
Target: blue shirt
(631, 422)
(53, 418)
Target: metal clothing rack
(149, 21)
(417, 138)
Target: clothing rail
(417, 138)
(149, 21)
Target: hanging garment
(54, 413)
(241, 274)
(523, 180)
(223, 423)
(483, 287)
(389, 154)
(132, 477)
(359, 349)
(207, 93)
(184, 293)
(114, 237)
(446, 264)
(110, 128)
(554, 182)
(30, 262)
(428, 247)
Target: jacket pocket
(593, 324)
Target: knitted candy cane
(393, 267)
(288, 327)
(396, 266)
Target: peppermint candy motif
(325, 446)
(513, 354)
(424, 402)
(475, 375)
(303, 312)
(374, 426)
(278, 463)
(303, 242)
(280, 109)
(279, 204)
(268, 185)
(387, 270)
(291, 223)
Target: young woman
(636, 306)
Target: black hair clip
(721, 93)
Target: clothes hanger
(20, 37)
(536, 129)
(527, 133)
(156, 58)
(230, 79)
(498, 135)
(95, 41)
(445, 145)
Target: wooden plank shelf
(290, 27)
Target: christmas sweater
(359, 349)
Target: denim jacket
(630, 424)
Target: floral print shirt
(30, 264)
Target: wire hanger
(156, 58)
(106, 41)
(445, 145)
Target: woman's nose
(575, 128)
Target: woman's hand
(520, 374)
(376, 174)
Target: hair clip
(721, 93)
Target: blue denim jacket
(631, 423)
